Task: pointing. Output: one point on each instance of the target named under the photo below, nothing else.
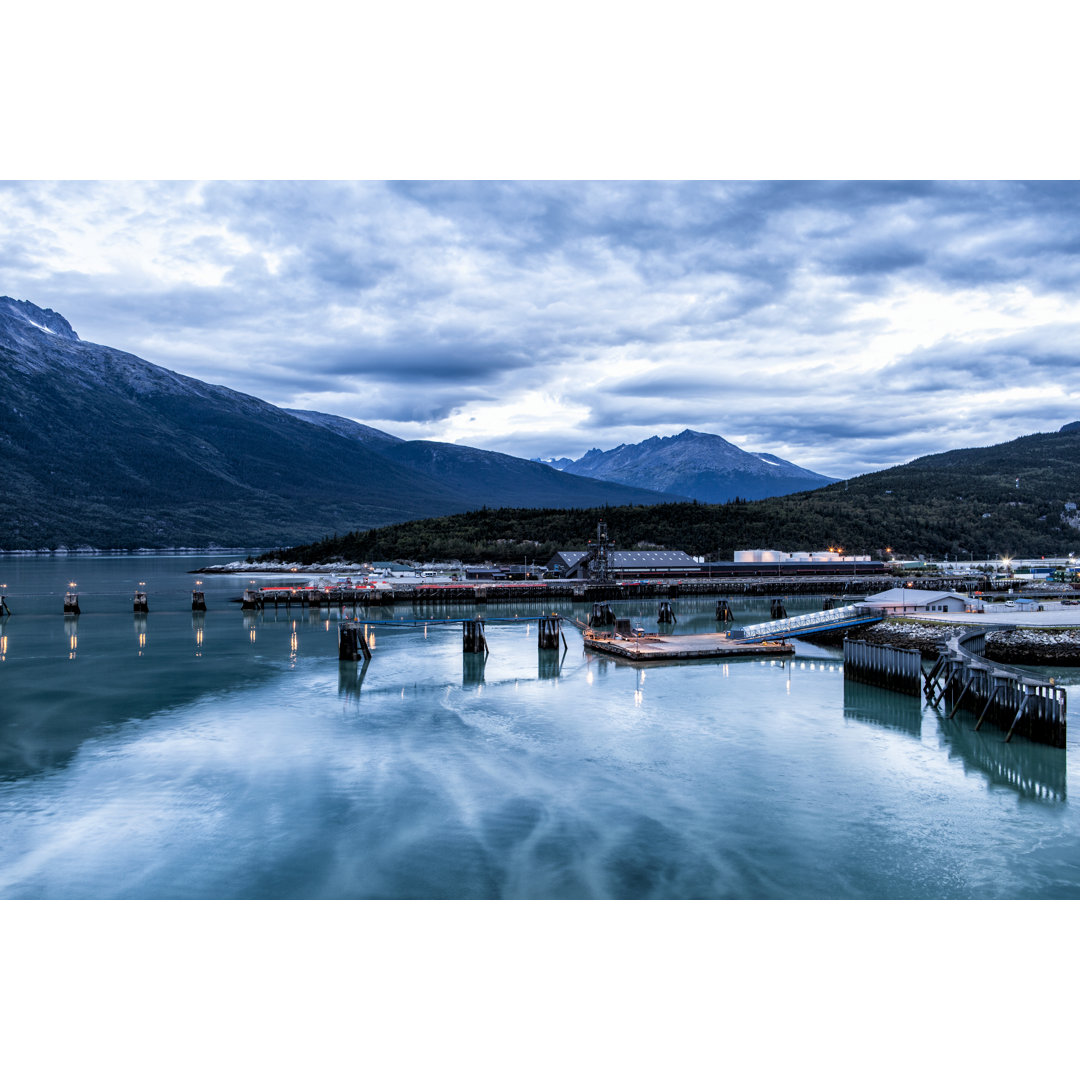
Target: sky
(846, 326)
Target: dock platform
(653, 647)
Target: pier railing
(1008, 697)
(812, 622)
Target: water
(232, 756)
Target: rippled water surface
(230, 755)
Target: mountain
(1016, 498)
(350, 429)
(484, 477)
(104, 449)
(555, 463)
(697, 465)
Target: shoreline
(1033, 646)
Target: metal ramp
(804, 625)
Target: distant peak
(1074, 426)
(45, 319)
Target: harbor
(263, 765)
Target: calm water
(233, 756)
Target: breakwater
(925, 637)
(1057, 648)
(1054, 647)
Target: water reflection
(549, 664)
(252, 620)
(198, 625)
(351, 678)
(886, 708)
(472, 669)
(1032, 770)
(71, 629)
(140, 632)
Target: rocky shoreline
(1057, 648)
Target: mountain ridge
(1019, 497)
(697, 465)
(105, 449)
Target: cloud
(840, 325)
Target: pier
(816, 622)
(1010, 699)
(1013, 700)
(883, 665)
(682, 646)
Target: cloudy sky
(844, 326)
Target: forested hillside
(1019, 497)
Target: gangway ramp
(804, 625)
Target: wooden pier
(653, 647)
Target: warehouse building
(625, 564)
(912, 601)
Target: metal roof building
(571, 564)
(901, 601)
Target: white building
(758, 555)
(912, 601)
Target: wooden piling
(665, 614)
(252, 601)
(352, 643)
(777, 610)
(141, 605)
(472, 636)
(4, 609)
(198, 600)
(548, 632)
(602, 615)
(71, 603)
(723, 610)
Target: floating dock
(682, 646)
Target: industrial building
(625, 564)
(768, 555)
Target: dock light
(71, 585)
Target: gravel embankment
(1056, 648)
(1060, 648)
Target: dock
(682, 646)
